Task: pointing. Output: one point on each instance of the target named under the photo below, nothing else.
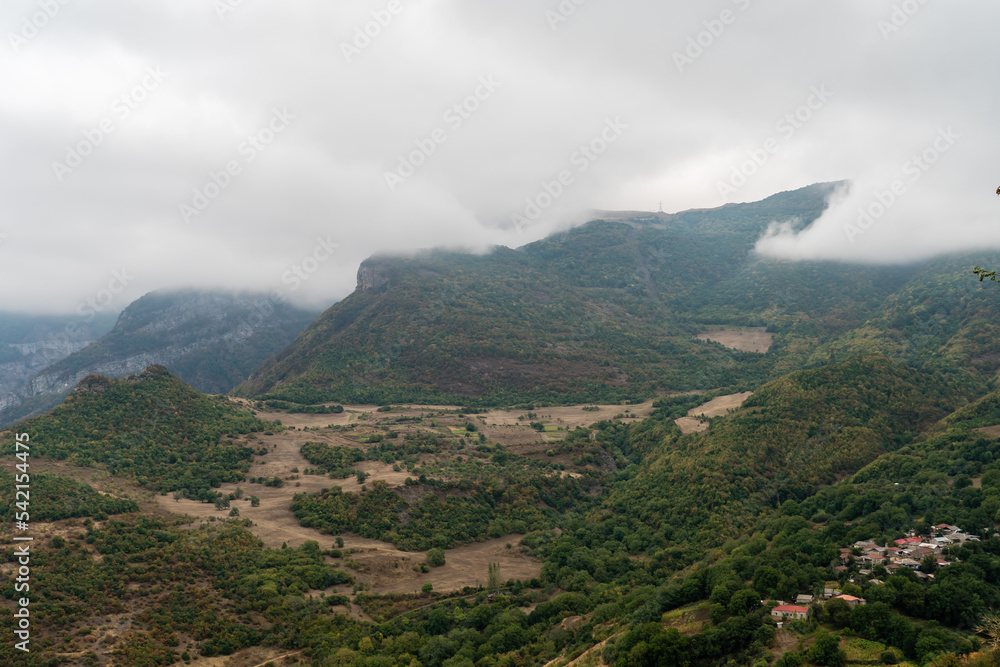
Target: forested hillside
(792, 437)
(659, 553)
(151, 428)
(608, 312)
(601, 312)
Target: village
(921, 554)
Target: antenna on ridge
(661, 204)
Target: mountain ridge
(620, 302)
(213, 340)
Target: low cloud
(771, 97)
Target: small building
(945, 528)
(851, 600)
(804, 599)
(792, 612)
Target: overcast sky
(222, 143)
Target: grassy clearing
(865, 652)
(689, 620)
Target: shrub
(435, 557)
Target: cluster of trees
(439, 518)
(151, 428)
(53, 497)
(215, 584)
(338, 462)
(296, 408)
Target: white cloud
(324, 175)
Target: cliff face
(372, 274)
(211, 340)
(31, 358)
(31, 343)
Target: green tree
(493, 578)
(790, 659)
(839, 612)
(826, 651)
(435, 557)
(743, 602)
(929, 564)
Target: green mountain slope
(793, 436)
(602, 312)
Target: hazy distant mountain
(30, 343)
(212, 340)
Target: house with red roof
(791, 612)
